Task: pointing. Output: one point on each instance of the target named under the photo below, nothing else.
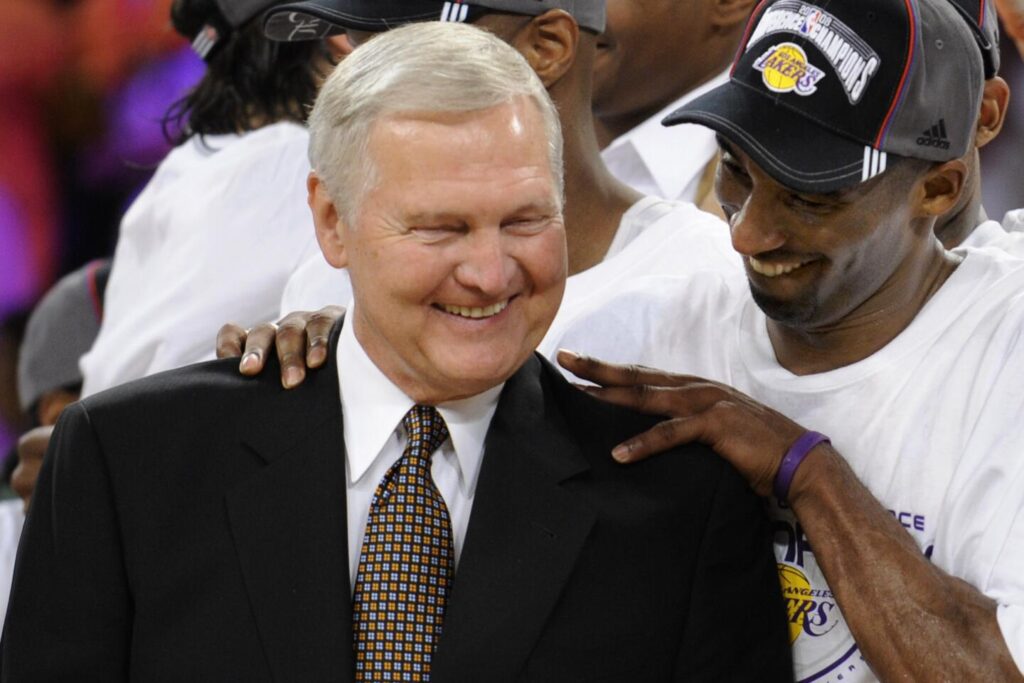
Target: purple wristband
(794, 456)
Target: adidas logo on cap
(935, 136)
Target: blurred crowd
(85, 85)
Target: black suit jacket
(192, 527)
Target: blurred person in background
(634, 90)
(77, 137)
(1012, 14)
(1003, 161)
(968, 223)
(223, 222)
(13, 420)
(60, 329)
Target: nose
(486, 267)
(754, 226)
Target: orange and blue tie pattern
(406, 564)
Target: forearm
(912, 621)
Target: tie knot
(426, 430)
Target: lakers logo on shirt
(810, 609)
(784, 68)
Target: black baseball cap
(820, 94)
(982, 16)
(313, 19)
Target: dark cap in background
(230, 16)
(313, 19)
(821, 94)
(62, 327)
(983, 17)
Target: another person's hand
(753, 437)
(301, 339)
(31, 449)
(1012, 14)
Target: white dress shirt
(665, 162)
(373, 408)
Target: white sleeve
(1014, 221)
(980, 537)
(1011, 624)
(673, 324)
(1006, 582)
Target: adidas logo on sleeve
(935, 136)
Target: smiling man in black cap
(900, 539)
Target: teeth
(773, 269)
(467, 312)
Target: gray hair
(431, 67)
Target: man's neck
(960, 226)
(595, 200)
(870, 326)
(612, 127)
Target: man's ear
(727, 15)
(330, 230)
(941, 187)
(549, 43)
(339, 46)
(994, 101)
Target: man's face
(457, 254)
(646, 56)
(813, 259)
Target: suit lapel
(289, 526)
(524, 536)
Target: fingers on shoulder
(230, 340)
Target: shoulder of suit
(192, 386)
(600, 426)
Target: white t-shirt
(665, 162)
(992, 234)
(655, 237)
(212, 238)
(11, 521)
(931, 424)
(1013, 221)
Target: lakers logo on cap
(784, 68)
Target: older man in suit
(442, 506)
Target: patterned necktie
(407, 562)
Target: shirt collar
(374, 407)
(658, 148)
